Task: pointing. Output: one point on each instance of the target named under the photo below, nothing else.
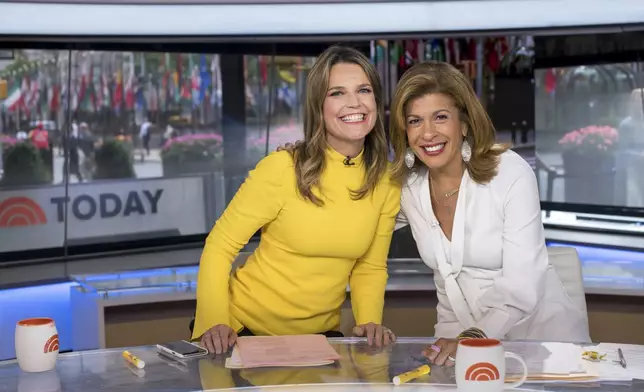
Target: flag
(14, 99)
(205, 78)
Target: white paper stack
(548, 362)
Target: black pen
(622, 360)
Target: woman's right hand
(219, 339)
(442, 352)
(290, 147)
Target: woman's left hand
(442, 352)
(376, 334)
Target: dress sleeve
(257, 202)
(369, 276)
(515, 295)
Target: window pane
(31, 117)
(274, 85)
(590, 141)
(145, 145)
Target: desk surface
(360, 369)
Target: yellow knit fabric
(295, 281)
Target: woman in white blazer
(473, 207)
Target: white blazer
(495, 273)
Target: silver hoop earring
(410, 158)
(466, 151)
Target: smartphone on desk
(182, 349)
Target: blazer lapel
(431, 225)
(458, 227)
(448, 272)
(468, 285)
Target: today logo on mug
(37, 344)
(480, 366)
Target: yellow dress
(295, 281)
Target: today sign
(34, 218)
(109, 205)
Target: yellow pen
(134, 360)
(411, 375)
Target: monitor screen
(589, 139)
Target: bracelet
(472, 333)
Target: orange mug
(36, 344)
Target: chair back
(566, 263)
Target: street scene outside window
(105, 146)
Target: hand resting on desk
(219, 339)
(376, 334)
(446, 349)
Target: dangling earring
(466, 151)
(410, 158)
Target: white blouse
(495, 272)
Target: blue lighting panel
(36, 301)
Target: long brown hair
(309, 156)
(442, 78)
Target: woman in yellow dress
(327, 211)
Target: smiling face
(435, 131)
(349, 108)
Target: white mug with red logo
(36, 344)
(480, 366)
